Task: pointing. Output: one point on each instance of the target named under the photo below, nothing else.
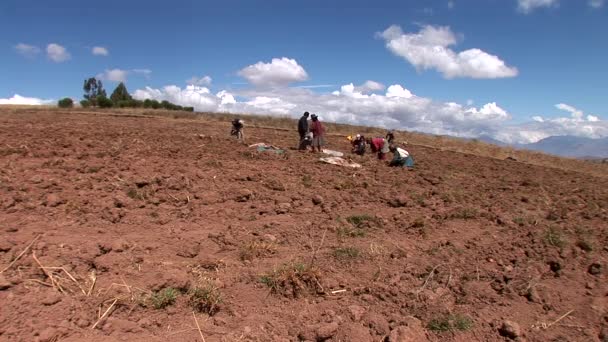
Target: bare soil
(127, 229)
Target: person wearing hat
(318, 132)
(358, 144)
(303, 130)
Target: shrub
(85, 103)
(65, 103)
(104, 102)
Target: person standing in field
(318, 133)
(303, 130)
(390, 137)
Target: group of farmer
(313, 135)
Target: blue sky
(541, 59)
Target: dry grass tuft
(293, 280)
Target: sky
(513, 70)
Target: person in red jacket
(318, 132)
(379, 145)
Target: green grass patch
(205, 298)
(452, 322)
(363, 221)
(347, 253)
(163, 298)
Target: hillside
(122, 226)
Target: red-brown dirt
(130, 207)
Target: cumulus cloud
(100, 51)
(200, 81)
(527, 6)
(22, 100)
(370, 87)
(596, 3)
(114, 75)
(577, 124)
(27, 50)
(279, 72)
(398, 107)
(57, 53)
(430, 49)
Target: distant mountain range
(565, 146)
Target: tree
(85, 103)
(120, 94)
(65, 103)
(104, 102)
(93, 89)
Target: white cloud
(114, 75)
(576, 113)
(27, 50)
(370, 87)
(200, 81)
(577, 124)
(429, 49)
(451, 4)
(596, 3)
(22, 100)
(527, 6)
(396, 90)
(100, 51)
(397, 108)
(57, 53)
(279, 72)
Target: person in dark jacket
(390, 137)
(303, 129)
(358, 145)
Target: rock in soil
(412, 331)
(327, 331)
(356, 312)
(52, 200)
(510, 329)
(595, 268)
(4, 283)
(51, 299)
(317, 200)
